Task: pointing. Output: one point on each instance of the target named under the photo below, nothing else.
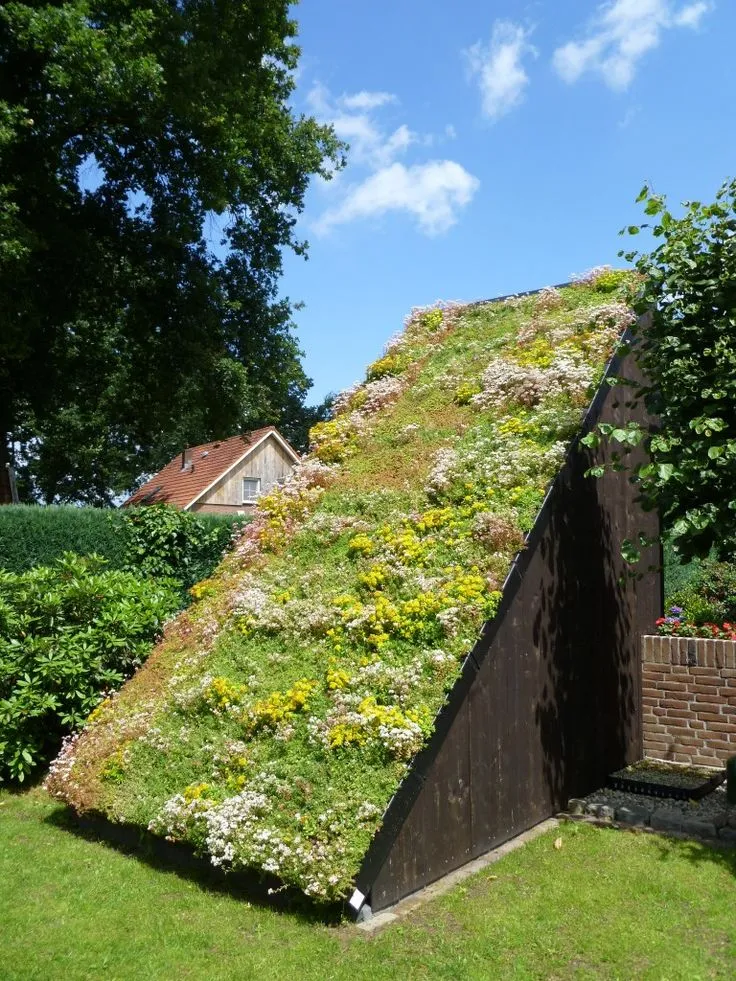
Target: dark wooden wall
(549, 701)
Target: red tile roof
(209, 462)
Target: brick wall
(689, 699)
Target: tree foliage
(130, 135)
(686, 346)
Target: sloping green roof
(278, 715)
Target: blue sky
(496, 147)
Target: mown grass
(606, 904)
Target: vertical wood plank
(556, 704)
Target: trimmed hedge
(33, 535)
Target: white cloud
(432, 193)
(621, 33)
(367, 100)
(498, 68)
(629, 116)
(350, 115)
(691, 15)
(319, 99)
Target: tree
(686, 346)
(128, 132)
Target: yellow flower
(360, 545)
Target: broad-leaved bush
(69, 634)
(686, 347)
(164, 542)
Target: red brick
(696, 724)
(708, 706)
(728, 673)
(670, 685)
(685, 744)
(658, 710)
(709, 717)
(704, 760)
(675, 703)
(719, 744)
(659, 744)
(721, 726)
(650, 719)
(706, 694)
(680, 730)
(701, 682)
(680, 713)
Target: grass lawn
(606, 905)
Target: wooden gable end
(269, 462)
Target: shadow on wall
(592, 611)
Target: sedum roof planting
(278, 715)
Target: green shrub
(710, 595)
(163, 542)
(69, 633)
(158, 541)
(677, 574)
(32, 535)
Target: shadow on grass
(697, 852)
(32, 782)
(165, 856)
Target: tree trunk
(6, 496)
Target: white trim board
(279, 439)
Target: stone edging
(668, 820)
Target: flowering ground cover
(279, 714)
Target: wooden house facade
(221, 477)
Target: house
(223, 477)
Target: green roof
(279, 714)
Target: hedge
(33, 535)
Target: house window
(251, 489)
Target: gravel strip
(710, 817)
